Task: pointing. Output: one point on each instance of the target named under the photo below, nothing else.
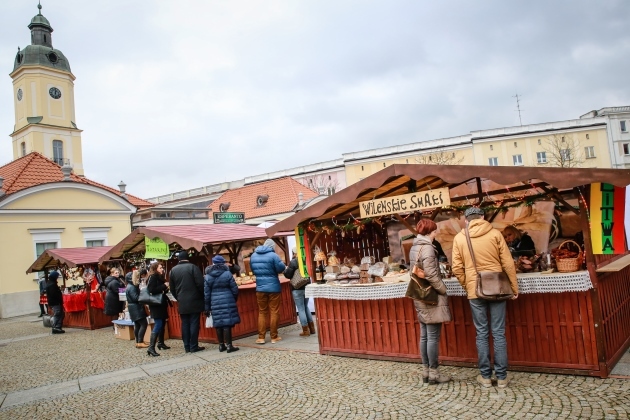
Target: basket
(568, 265)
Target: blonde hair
(517, 233)
(135, 277)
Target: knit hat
(129, 277)
(473, 210)
(53, 276)
(217, 259)
(270, 243)
(182, 255)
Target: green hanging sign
(155, 249)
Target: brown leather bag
(491, 285)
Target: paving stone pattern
(265, 384)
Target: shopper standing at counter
(157, 286)
(491, 254)
(301, 302)
(266, 266)
(221, 293)
(136, 310)
(187, 287)
(55, 300)
(113, 305)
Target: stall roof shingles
(283, 197)
(70, 256)
(35, 169)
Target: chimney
(66, 169)
(1, 184)
(122, 186)
(300, 198)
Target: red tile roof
(282, 193)
(52, 258)
(35, 169)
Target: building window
(565, 154)
(515, 144)
(626, 148)
(590, 152)
(587, 137)
(96, 236)
(518, 160)
(562, 139)
(539, 142)
(58, 152)
(407, 160)
(92, 244)
(622, 124)
(361, 167)
(23, 146)
(43, 246)
(44, 239)
(383, 164)
(491, 147)
(329, 178)
(541, 157)
(453, 155)
(493, 161)
(331, 190)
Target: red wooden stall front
(91, 317)
(248, 311)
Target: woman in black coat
(157, 286)
(113, 305)
(520, 243)
(136, 310)
(220, 293)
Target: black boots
(221, 338)
(151, 351)
(228, 340)
(161, 345)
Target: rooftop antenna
(518, 107)
(39, 6)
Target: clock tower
(43, 94)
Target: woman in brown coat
(431, 317)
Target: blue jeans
(429, 344)
(158, 325)
(483, 325)
(58, 316)
(302, 307)
(190, 330)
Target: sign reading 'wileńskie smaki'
(417, 201)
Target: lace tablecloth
(578, 281)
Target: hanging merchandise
(607, 218)
(300, 243)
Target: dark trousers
(139, 328)
(58, 316)
(190, 330)
(42, 309)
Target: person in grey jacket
(424, 255)
(137, 313)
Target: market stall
(82, 302)
(233, 241)
(572, 321)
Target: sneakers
(435, 377)
(275, 340)
(503, 383)
(260, 341)
(486, 383)
(57, 331)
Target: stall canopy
(202, 238)
(72, 257)
(468, 185)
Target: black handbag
(419, 288)
(147, 298)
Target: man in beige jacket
(491, 254)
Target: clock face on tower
(54, 93)
(19, 94)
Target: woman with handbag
(113, 283)
(220, 295)
(298, 284)
(431, 315)
(157, 286)
(136, 309)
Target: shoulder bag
(297, 281)
(491, 285)
(147, 298)
(419, 288)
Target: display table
(248, 311)
(549, 326)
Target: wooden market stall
(571, 322)
(203, 242)
(83, 307)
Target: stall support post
(597, 330)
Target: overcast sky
(173, 95)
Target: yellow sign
(417, 201)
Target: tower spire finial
(39, 6)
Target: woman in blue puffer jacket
(220, 293)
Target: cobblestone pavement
(297, 385)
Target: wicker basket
(568, 265)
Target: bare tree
(563, 150)
(442, 157)
(321, 184)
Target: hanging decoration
(607, 218)
(300, 243)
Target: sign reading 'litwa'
(417, 201)
(155, 249)
(228, 217)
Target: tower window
(539, 140)
(587, 137)
(45, 40)
(23, 146)
(491, 147)
(58, 152)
